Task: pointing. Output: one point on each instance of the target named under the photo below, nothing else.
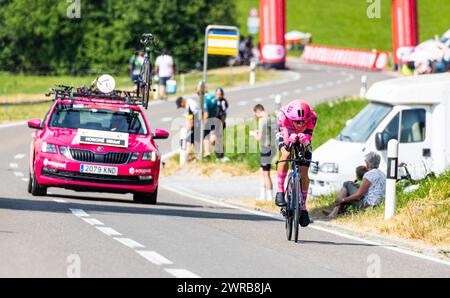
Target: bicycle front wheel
(297, 203)
(289, 213)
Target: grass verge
(345, 22)
(423, 215)
(19, 88)
(23, 112)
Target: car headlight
(49, 148)
(149, 156)
(65, 152)
(329, 167)
(134, 156)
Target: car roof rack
(120, 97)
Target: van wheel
(146, 198)
(36, 189)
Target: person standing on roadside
(164, 68)
(135, 66)
(223, 106)
(192, 109)
(222, 116)
(211, 109)
(266, 135)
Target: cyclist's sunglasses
(300, 122)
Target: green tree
(37, 35)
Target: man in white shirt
(165, 72)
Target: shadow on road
(331, 243)
(120, 201)
(92, 209)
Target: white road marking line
(108, 231)
(298, 91)
(154, 257)
(19, 156)
(129, 243)
(285, 93)
(198, 197)
(181, 273)
(320, 86)
(243, 103)
(329, 84)
(79, 213)
(273, 96)
(93, 222)
(166, 119)
(259, 99)
(13, 166)
(60, 201)
(19, 174)
(25, 180)
(339, 82)
(309, 88)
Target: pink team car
(94, 142)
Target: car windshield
(364, 124)
(73, 117)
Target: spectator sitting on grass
(349, 188)
(372, 190)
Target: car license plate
(99, 170)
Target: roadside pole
(253, 73)
(363, 90)
(183, 146)
(391, 182)
(278, 103)
(223, 42)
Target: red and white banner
(370, 60)
(272, 32)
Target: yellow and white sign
(222, 42)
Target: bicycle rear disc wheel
(297, 202)
(146, 84)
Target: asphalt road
(99, 235)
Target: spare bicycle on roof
(103, 88)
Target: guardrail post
(391, 182)
(363, 90)
(183, 146)
(278, 103)
(253, 72)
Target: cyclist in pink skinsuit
(296, 121)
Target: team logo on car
(100, 149)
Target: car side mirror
(35, 124)
(161, 134)
(380, 144)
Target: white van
(414, 109)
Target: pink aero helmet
(298, 110)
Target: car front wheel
(36, 189)
(146, 198)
